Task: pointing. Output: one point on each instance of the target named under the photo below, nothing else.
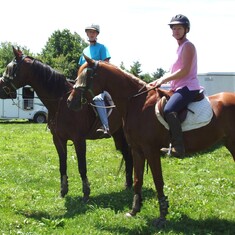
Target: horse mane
(52, 80)
(125, 74)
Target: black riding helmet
(180, 19)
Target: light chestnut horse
(65, 124)
(145, 134)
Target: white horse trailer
(23, 104)
(215, 82)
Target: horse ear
(18, 53)
(89, 60)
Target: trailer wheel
(40, 118)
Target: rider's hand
(152, 83)
(157, 83)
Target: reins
(143, 92)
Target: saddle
(165, 96)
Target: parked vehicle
(215, 82)
(23, 104)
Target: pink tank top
(190, 80)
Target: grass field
(201, 190)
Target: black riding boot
(177, 148)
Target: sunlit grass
(201, 190)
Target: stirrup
(172, 151)
(167, 151)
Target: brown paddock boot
(177, 149)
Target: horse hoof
(85, 199)
(131, 213)
(127, 187)
(159, 223)
(128, 215)
(63, 193)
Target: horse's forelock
(82, 78)
(82, 67)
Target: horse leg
(129, 167)
(80, 148)
(138, 161)
(122, 146)
(62, 152)
(230, 145)
(154, 162)
(127, 156)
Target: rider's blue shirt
(96, 51)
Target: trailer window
(28, 93)
(28, 96)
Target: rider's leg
(179, 100)
(102, 112)
(176, 136)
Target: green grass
(201, 190)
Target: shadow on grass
(186, 226)
(117, 201)
(13, 121)
(199, 153)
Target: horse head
(10, 81)
(83, 87)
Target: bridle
(86, 84)
(8, 78)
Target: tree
(159, 73)
(136, 69)
(6, 54)
(122, 66)
(62, 52)
(146, 77)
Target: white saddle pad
(200, 116)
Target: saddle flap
(161, 104)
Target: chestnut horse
(65, 124)
(145, 134)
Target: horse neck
(50, 86)
(122, 87)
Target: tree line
(62, 52)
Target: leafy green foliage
(6, 54)
(62, 52)
(159, 73)
(200, 189)
(136, 69)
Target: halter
(83, 87)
